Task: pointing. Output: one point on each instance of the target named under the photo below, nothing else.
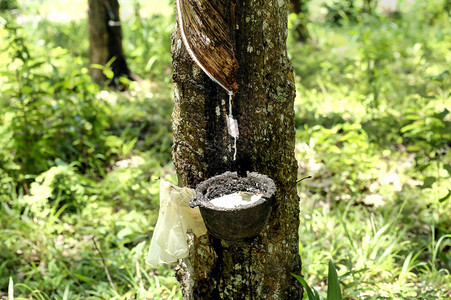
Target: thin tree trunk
(202, 148)
(105, 38)
(298, 7)
(369, 6)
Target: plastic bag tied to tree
(175, 218)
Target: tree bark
(264, 108)
(298, 7)
(105, 38)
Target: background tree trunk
(298, 7)
(202, 148)
(105, 40)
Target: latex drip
(232, 124)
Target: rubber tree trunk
(298, 7)
(202, 148)
(105, 40)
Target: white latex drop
(190, 51)
(232, 125)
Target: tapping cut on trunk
(207, 33)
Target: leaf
(414, 148)
(412, 126)
(11, 289)
(84, 278)
(333, 289)
(428, 182)
(26, 90)
(124, 80)
(124, 232)
(439, 77)
(9, 75)
(447, 196)
(405, 268)
(66, 293)
(310, 294)
(108, 73)
(97, 66)
(110, 62)
(151, 62)
(413, 117)
(128, 146)
(36, 64)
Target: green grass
(373, 124)
(79, 164)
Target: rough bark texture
(105, 41)
(264, 109)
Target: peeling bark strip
(207, 37)
(265, 111)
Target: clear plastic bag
(175, 218)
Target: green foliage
(373, 132)
(8, 4)
(312, 294)
(78, 163)
(61, 184)
(333, 289)
(427, 135)
(53, 115)
(341, 10)
(148, 44)
(342, 157)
